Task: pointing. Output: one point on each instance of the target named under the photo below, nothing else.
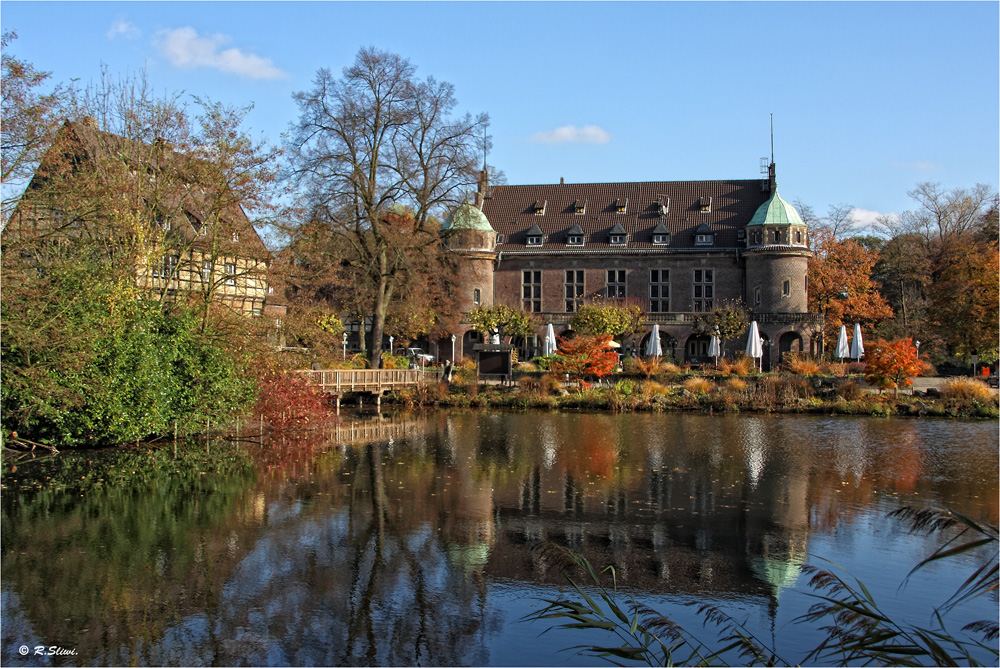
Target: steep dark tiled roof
(733, 205)
(90, 144)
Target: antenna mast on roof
(772, 139)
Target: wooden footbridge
(338, 382)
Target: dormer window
(661, 235)
(499, 238)
(538, 208)
(741, 234)
(621, 205)
(705, 204)
(236, 237)
(533, 237)
(574, 236)
(580, 207)
(703, 236)
(617, 236)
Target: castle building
(680, 248)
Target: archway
(765, 361)
(696, 348)
(527, 347)
(789, 342)
(469, 339)
(667, 344)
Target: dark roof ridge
(622, 183)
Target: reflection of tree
(382, 552)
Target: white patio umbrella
(755, 346)
(653, 348)
(714, 349)
(843, 350)
(550, 344)
(857, 345)
(495, 339)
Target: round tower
(777, 258)
(468, 234)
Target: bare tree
(378, 142)
(29, 121)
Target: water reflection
(384, 542)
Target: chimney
(89, 122)
(772, 179)
(484, 184)
(562, 181)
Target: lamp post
(345, 345)
(452, 348)
(391, 339)
(917, 344)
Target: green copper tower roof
(776, 211)
(467, 217)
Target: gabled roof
(576, 230)
(704, 229)
(534, 231)
(617, 229)
(189, 205)
(733, 205)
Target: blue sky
(869, 99)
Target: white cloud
(919, 165)
(123, 28)
(866, 218)
(570, 134)
(184, 47)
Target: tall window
(616, 284)
(206, 270)
(531, 291)
(230, 273)
(786, 288)
(166, 267)
(659, 290)
(704, 290)
(476, 295)
(574, 289)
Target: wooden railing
(340, 381)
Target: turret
(777, 256)
(469, 234)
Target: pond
(407, 540)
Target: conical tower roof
(776, 211)
(467, 217)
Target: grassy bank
(760, 394)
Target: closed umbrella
(755, 346)
(714, 349)
(550, 344)
(653, 348)
(843, 350)
(857, 345)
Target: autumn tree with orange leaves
(890, 364)
(841, 285)
(585, 356)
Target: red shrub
(286, 400)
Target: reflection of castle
(677, 526)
